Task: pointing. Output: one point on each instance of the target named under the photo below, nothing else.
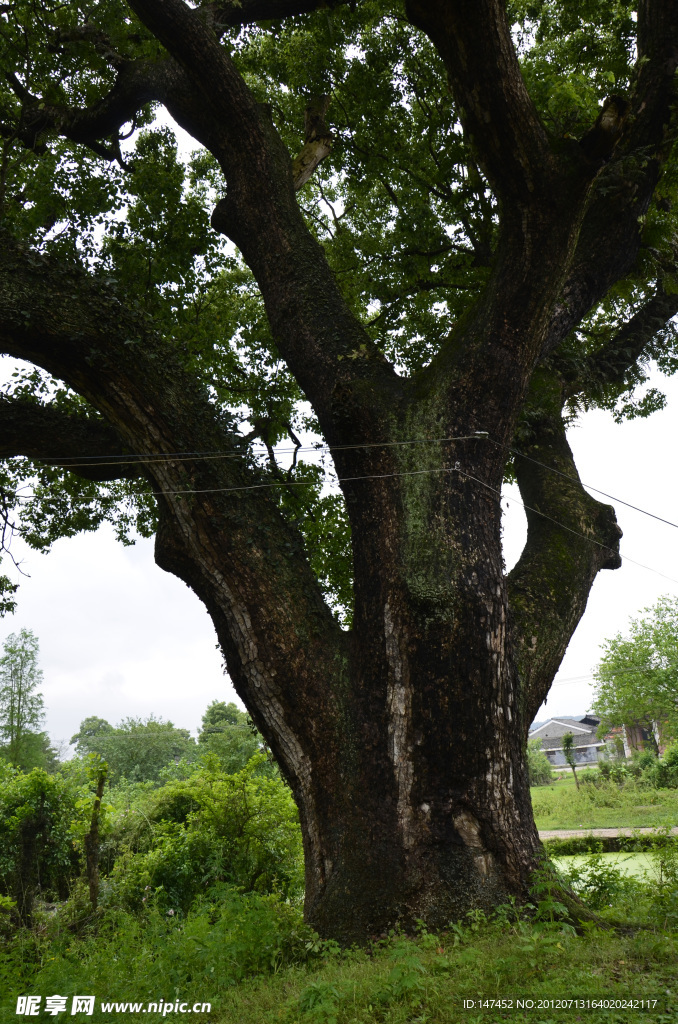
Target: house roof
(551, 733)
(568, 724)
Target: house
(637, 737)
(587, 747)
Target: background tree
(21, 707)
(637, 677)
(135, 749)
(228, 732)
(481, 243)
(568, 752)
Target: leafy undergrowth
(446, 979)
(426, 979)
(605, 805)
(251, 957)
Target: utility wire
(155, 458)
(152, 458)
(569, 529)
(562, 526)
(618, 672)
(590, 487)
(383, 476)
(477, 435)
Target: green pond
(640, 865)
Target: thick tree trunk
(409, 772)
(403, 739)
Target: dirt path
(606, 833)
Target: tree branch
(83, 445)
(137, 83)
(318, 141)
(323, 343)
(570, 537)
(473, 38)
(611, 363)
(610, 235)
(220, 530)
(244, 12)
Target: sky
(119, 637)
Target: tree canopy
(428, 233)
(402, 203)
(135, 749)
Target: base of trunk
(374, 890)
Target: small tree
(568, 751)
(21, 708)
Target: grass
(426, 980)
(561, 806)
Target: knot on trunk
(318, 140)
(601, 139)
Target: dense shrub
(645, 768)
(37, 851)
(664, 771)
(208, 829)
(538, 764)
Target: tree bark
(92, 839)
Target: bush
(599, 883)
(538, 764)
(37, 852)
(664, 771)
(212, 828)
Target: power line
(155, 458)
(276, 483)
(590, 487)
(152, 458)
(617, 672)
(383, 476)
(569, 529)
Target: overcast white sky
(118, 636)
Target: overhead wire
(477, 435)
(589, 487)
(589, 677)
(154, 458)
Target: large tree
(447, 237)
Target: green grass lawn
(427, 981)
(406, 981)
(562, 806)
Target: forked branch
(570, 537)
